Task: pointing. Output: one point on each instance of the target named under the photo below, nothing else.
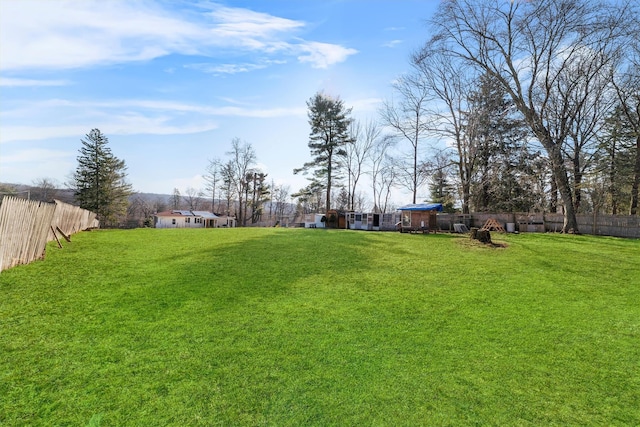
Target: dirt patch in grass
(466, 242)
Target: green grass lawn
(313, 327)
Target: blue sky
(170, 83)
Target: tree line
(541, 96)
(514, 106)
(535, 105)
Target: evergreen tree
(442, 187)
(260, 195)
(616, 160)
(99, 182)
(309, 198)
(442, 190)
(329, 120)
(503, 177)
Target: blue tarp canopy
(422, 207)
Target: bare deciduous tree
(529, 47)
(228, 190)
(45, 189)
(382, 172)
(627, 88)
(212, 178)
(243, 158)
(408, 116)
(362, 141)
(175, 199)
(280, 195)
(192, 198)
(450, 82)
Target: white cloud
(127, 117)
(168, 107)
(123, 125)
(365, 104)
(322, 55)
(136, 124)
(233, 68)
(29, 133)
(248, 26)
(182, 184)
(67, 34)
(392, 43)
(12, 82)
(23, 166)
(38, 155)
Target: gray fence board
(26, 227)
(600, 224)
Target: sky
(171, 83)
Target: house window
(173, 221)
(187, 220)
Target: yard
(322, 327)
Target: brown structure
(419, 218)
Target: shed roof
(422, 207)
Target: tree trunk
(613, 177)
(570, 224)
(577, 183)
(328, 198)
(484, 236)
(466, 195)
(559, 173)
(415, 169)
(553, 196)
(473, 234)
(636, 180)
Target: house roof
(206, 214)
(168, 213)
(422, 207)
(179, 212)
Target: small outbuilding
(371, 221)
(420, 217)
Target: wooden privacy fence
(596, 224)
(26, 226)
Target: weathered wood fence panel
(26, 226)
(598, 224)
(72, 219)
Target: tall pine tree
(329, 121)
(100, 180)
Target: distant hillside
(36, 193)
(141, 205)
(63, 194)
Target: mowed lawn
(293, 327)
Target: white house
(192, 219)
